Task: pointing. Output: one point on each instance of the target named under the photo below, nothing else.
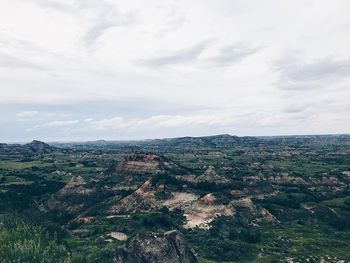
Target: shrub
(214, 246)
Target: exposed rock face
(169, 247)
(76, 185)
(145, 163)
(210, 176)
(74, 197)
(142, 200)
(118, 236)
(203, 211)
(199, 212)
(248, 212)
(287, 179)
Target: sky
(75, 70)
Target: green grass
(266, 259)
(14, 165)
(337, 202)
(22, 242)
(14, 180)
(301, 166)
(90, 250)
(305, 240)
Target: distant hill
(34, 147)
(39, 147)
(223, 140)
(215, 141)
(205, 142)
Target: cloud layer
(88, 69)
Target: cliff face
(169, 247)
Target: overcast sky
(136, 69)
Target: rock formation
(169, 247)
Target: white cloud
(187, 55)
(203, 119)
(27, 114)
(97, 17)
(60, 123)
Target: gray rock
(169, 247)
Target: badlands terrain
(192, 199)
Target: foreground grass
(22, 242)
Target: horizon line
(167, 138)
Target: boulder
(169, 247)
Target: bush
(214, 246)
(249, 235)
(291, 200)
(347, 203)
(159, 220)
(341, 221)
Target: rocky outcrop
(169, 247)
(145, 164)
(204, 210)
(199, 212)
(74, 197)
(211, 176)
(249, 213)
(142, 200)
